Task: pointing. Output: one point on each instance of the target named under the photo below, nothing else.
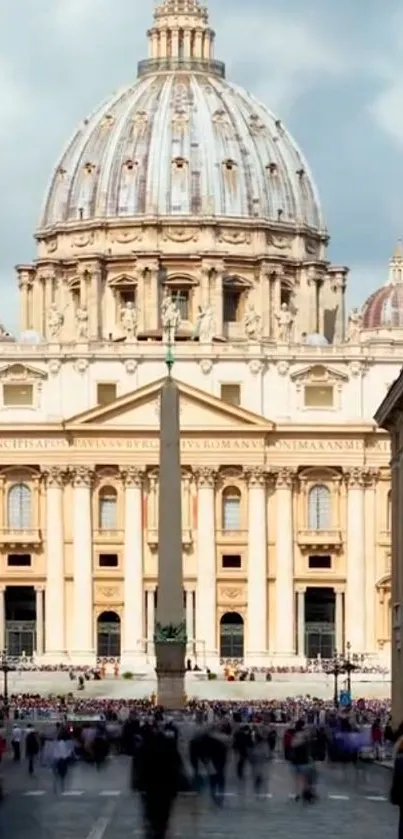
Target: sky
(332, 71)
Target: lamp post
(349, 667)
(336, 671)
(5, 667)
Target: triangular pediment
(319, 373)
(141, 409)
(20, 373)
(123, 280)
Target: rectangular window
(108, 560)
(319, 396)
(128, 296)
(231, 561)
(231, 308)
(18, 396)
(231, 394)
(317, 563)
(106, 393)
(19, 560)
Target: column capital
(40, 588)
(285, 478)
(206, 477)
(133, 476)
(300, 589)
(355, 477)
(55, 476)
(82, 476)
(371, 477)
(256, 477)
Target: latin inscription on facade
(151, 444)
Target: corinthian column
(55, 593)
(206, 566)
(285, 609)
(257, 568)
(83, 641)
(355, 565)
(133, 616)
(371, 481)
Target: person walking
(31, 748)
(158, 777)
(61, 756)
(16, 737)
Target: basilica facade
(182, 211)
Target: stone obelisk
(170, 630)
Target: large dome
(182, 141)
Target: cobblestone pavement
(99, 805)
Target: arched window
(389, 511)
(319, 508)
(108, 508)
(19, 507)
(231, 509)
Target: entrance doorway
(320, 619)
(108, 635)
(20, 629)
(232, 635)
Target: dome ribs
(240, 161)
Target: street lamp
(349, 667)
(5, 667)
(336, 670)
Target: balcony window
(231, 393)
(108, 508)
(231, 509)
(106, 393)
(319, 508)
(19, 507)
(18, 396)
(318, 396)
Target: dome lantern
(181, 38)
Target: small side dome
(384, 308)
(31, 337)
(315, 339)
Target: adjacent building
(390, 417)
(183, 207)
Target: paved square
(100, 805)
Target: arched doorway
(108, 635)
(232, 635)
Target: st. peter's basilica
(183, 206)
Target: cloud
(387, 110)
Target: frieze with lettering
(188, 444)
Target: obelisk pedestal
(170, 632)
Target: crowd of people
(196, 750)
(27, 706)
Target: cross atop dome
(396, 264)
(181, 38)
